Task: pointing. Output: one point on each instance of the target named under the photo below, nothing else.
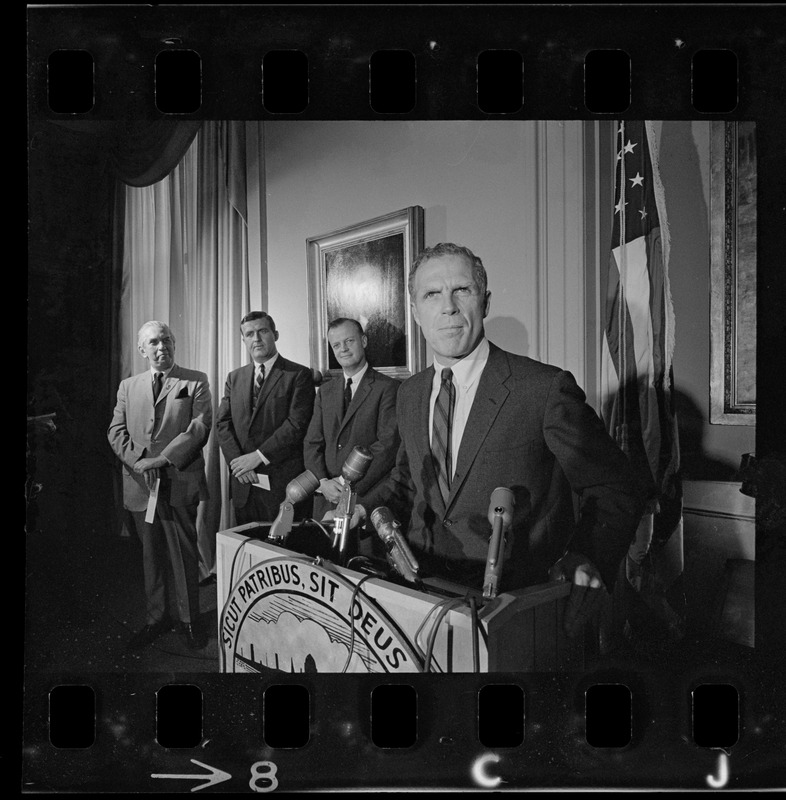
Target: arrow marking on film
(216, 776)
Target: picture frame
(733, 273)
(361, 271)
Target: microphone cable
(445, 606)
(473, 608)
(230, 589)
(355, 592)
(319, 525)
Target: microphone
(357, 464)
(399, 555)
(354, 469)
(500, 516)
(299, 488)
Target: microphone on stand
(299, 488)
(399, 554)
(353, 470)
(500, 516)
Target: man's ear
(488, 305)
(275, 336)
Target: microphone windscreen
(381, 516)
(357, 464)
(502, 498)
(302, 487)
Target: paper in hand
(151, 502)
(263, 482)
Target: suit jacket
(276, 425)
(370, 422)
(529, 430)
(176, 426)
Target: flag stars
(618, 207)
(643, 213)
(637, 180)
(629, 146)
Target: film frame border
(444, 77)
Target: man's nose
(449, 304)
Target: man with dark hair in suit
(481, 418)
(262, 422)
(358, 409)
(160, 424)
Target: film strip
(168, 720)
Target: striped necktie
(259, 380)
(441, 432)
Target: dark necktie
(258, 381)
(158, 381)
(441, 432)
(347, 395)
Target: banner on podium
(294, 615)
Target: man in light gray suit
(160, 425)
(481, 418)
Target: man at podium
(480, 418)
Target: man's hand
(585, 594)
(358, 516)
(331, 489)
(245, 464)
(248, 477)
(149, 468)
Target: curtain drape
(187, 261)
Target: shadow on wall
(695, 463)
(509, 334)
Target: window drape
(193, 256)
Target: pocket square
(183, 393)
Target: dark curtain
(144, 153)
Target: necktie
(441, 432)
(158, 380)
(258, 380)
(347, 394)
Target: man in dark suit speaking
(262, 422)
(481, 418)
(357, 409)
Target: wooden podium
(285, 610)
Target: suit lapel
(273, 377)
(421, 440)
(361, 393)
(244, 387)
(489, 398)
(169, 384)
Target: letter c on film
(479, 771)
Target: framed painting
(361, 272)
(733, 273)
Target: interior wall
(471, 178)
(482, 184)
(710, 452)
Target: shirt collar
(468, 369)
(268, 364)
(165, 373)
(358, 376)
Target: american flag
(638, 380)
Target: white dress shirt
(356, 378)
